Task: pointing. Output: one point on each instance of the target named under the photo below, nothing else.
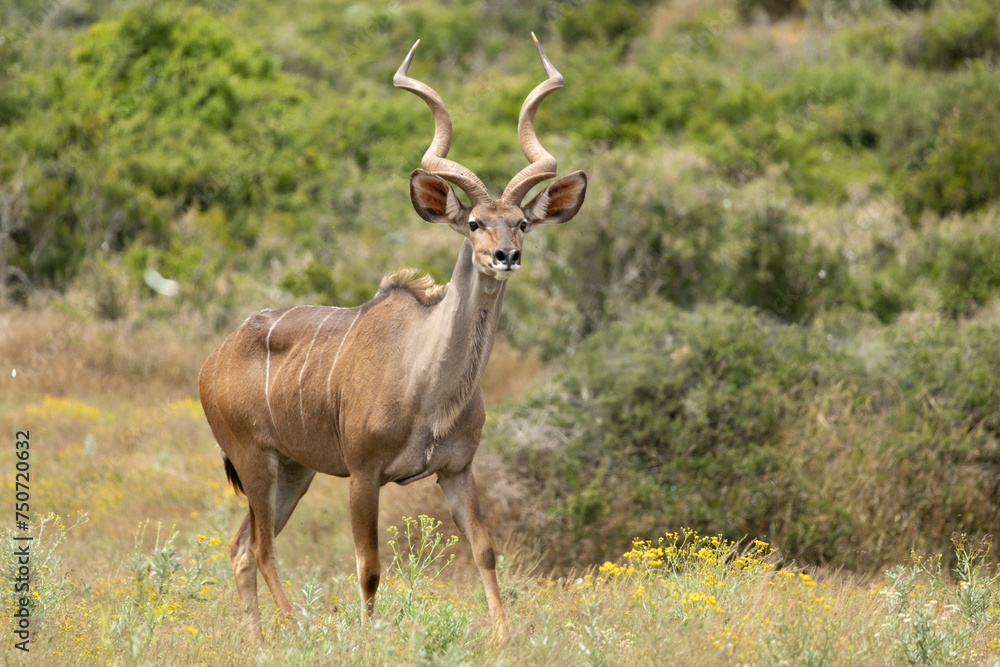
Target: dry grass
(57, 355)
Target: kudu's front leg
(364, 528)
(463, 501)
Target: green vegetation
(777, 316)
(723, 418)
(200, 140)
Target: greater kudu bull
(387, 391)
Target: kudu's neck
(463, 326)
(470, 312)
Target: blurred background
(776, 315)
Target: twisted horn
(542, 165)
(435, 159)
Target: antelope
(387, 391)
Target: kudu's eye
(524, 225)
(473, 225)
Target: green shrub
(968, 273)
(341, 288)
(958, 173)
(161, 111)
(781, 272)
(948, 37)
(911, 5)
(637, 106)
(669, 227)
(879, 38)
(720, 418)
(673, 414)
(773, 9)
(595, 21)
(824, 10)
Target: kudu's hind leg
(245, 572)
(272, 504)
(245, 549)
(463, 501)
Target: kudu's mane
(421, 288)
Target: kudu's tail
(231, 475)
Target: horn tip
(549, 67)
(397, 78)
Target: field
(743, 409)
(132, 515)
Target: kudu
(387, 391)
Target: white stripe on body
(267, 375)
(302, 411)
(329, 391)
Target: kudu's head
(496, 227)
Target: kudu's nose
(508, 257)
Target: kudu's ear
(559, 202)
(433, 199)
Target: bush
(667, 226)
(593, 20)
(162, 111)
(950, 37)
(958, 173)
(671, 414)
(773, 9)
(720, 418)
(911, 5)
(781, 272)
(967, 270)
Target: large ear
(559, 202)
(433, 199)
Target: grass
(131, 516)
(687, 599)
